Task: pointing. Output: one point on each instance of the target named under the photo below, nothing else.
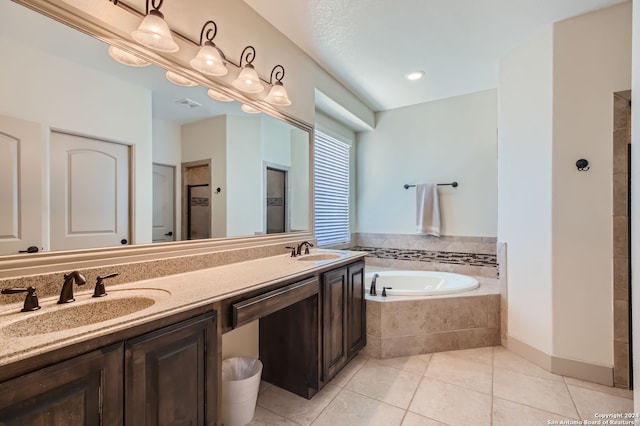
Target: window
(331, 186)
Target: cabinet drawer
(252, 309)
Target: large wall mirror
(96, 154)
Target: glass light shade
(249, 109)
(179, 80)
(127, 58)
(278, 95)
(248, 80)
(209, 61)
(154, 33)
(218, 96)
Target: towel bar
(453, 184)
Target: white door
(89, 194)
(20, 185)
(163, 203)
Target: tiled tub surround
(443, 261)
(402, 326)
(474, 256)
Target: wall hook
(582, 165)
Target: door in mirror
(89, 192)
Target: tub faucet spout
(372, 288)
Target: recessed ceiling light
(415, 75)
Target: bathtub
(420, 283)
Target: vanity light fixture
(179, 80)
(218, 96)
(210, 59)
(153, 32)
(278, 94)
(248, 80)
(127, 58)
(249, 109)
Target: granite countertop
(26, 334)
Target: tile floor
(485, 386)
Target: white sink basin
(318, 257)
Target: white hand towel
(427, 209)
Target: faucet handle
(100, 291)
(307, 245)
(30, 302)
(384, 291)
(293, 250)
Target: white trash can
(240, 385)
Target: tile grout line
(273, 412)
(566, 385)
(342, 388)
(493, 350)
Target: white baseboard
(595, 373)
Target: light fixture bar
(277, 95)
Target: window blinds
(331, 186)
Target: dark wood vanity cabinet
(343, 317)
(165, 377)
(356, 310)
(171, 375)
(85, 390)
(305, 344)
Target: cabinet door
(171, 375)
(334, 287)
(86, 390)
(356, 310)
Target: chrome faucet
(306, 245)
(66, 295)
(372, 288)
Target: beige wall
(207, 140)
(592, 60)
(442, 141)
(556, 106)
(244, 178)
(524, 187)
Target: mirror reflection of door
(276, 200)
(163, 203)
(20, 185)
(198, 212)
(89, 192)
(196, 217)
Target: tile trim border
(595, 373)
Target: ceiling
(370, 45)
